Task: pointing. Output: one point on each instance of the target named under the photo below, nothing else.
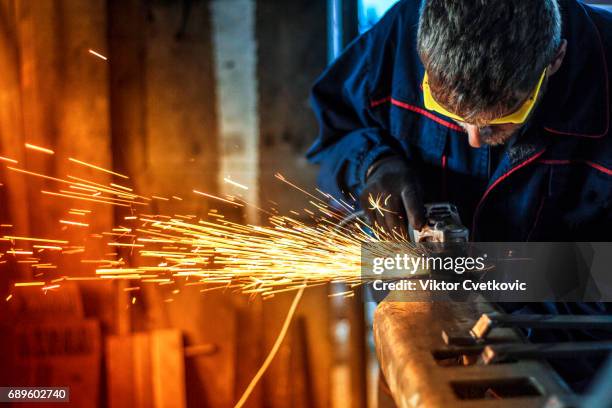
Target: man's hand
(393, 197)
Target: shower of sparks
(305, 248)
(39, 148)
(97, 54)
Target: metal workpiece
(512, 352)
(422, 369)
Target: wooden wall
(149, 112)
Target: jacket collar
(521, 149)
(577, 100)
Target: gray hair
(483, 56)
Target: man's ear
(558, 60)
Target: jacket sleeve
(350, 138)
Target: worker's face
(498, 134)
(492, 135)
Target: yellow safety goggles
(518, 116)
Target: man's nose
(473, 135)
(476, 134)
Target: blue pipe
(334, 29)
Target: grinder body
(442, 224)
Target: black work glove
(393, 197)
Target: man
(501, 107)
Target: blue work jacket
(552, 183)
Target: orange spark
(31, 173)
(39, 149)
(93, 166)
(51, 247)
(376, 204)
(121, 187)
(34, 283)
(8, 160)
(84, 198)
(18, 252)
(97, 54)
(78, 224)
(79, 210)
(217, 198)
(233, 183)
(53, 241)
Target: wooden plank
(142, 380)
(119, 371)
(211, 319)
(168, 368)
(146, 370)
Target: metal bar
(503, 352)
(600, 394)
(334, 29)
(535, 321)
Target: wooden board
(146, 370)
